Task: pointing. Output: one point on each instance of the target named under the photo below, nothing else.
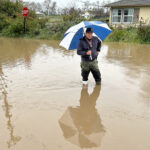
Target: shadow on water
(6, 107)
(82, 125)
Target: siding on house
(136, 15)
(145, 13)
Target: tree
(53, 8)
(34, 6)
(86, 6)
(38, 7)
(47, 4)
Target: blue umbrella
(72, 36)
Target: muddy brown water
(43, 105)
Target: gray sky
(65, 3)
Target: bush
(123, 35)
(4, 21)
(117, 35)
(16, 28)
(9, 8)
(144, 33)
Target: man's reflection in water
(82, 125)
(13, 139)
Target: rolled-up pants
(90, 66)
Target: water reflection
(135, 59)
(13, 51)
(21, 51)
(130, 55)
(82, 125)
(6, 107)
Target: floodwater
(43, 105)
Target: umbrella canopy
(72, 36)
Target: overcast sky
(65, 3)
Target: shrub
(9, 8)
(15, 29)
(117, 35)
(144, 33)
(4, 21)
(123, 35)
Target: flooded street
(43, 105)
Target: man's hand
(88, 52)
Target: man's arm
(99, 45)
(80, 49)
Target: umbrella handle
(91, 57)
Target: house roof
(126, 3)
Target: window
(117, 15)
(123, 15)
(128, 15)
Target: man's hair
(89, 30)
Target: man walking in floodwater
(89, 48)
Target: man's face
(89, 35)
